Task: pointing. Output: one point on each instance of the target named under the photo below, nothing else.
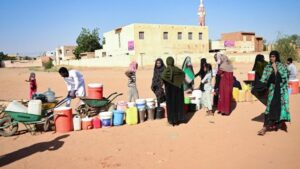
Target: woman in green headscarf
(173, 78)
(188, 69)
(275, 77)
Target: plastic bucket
(106, 119)
(151, 114)
(251, 75)
(197, 94)
(118, 117)
(87, 123)
(159, 113)
(63, 119)
(122, 105)
(131, 104)
(294, 85)
(140, 103)
(96, 123)
(187, 100)
(95, 91)
(132, 116)
(76, 123)
(290, 91)
(142, 114)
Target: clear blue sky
(33, 26)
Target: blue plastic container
(290, 91)
(118, 117)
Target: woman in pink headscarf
(225, 72)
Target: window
(103, 54)
(179, 35)
(165, 36)
(67, 51)
(141, 35)
(200, 36)
(190, 36)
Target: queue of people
(170, 82)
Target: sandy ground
(204, 142)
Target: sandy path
(205, 142)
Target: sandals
(262, 132)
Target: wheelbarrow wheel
(46, 126)
(10, 129)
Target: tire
(46, 125)
(10, 130)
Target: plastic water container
(87, 123)
(197, 94)
(96, 123)
(187, 100)
(294, 85)
(63, 119)
(131, 104)
(122, 105)
(50, 95)
(35, 107)
(290, 91)
(132, 116)
(106, 119)
(150, 103)
(235, 94)
(77, 123)
(140, 103)
(251, 75)
(95, 91)
(242, 96)
(16, 106)
(164, 106)
(118, 117)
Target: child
(207, 93)
(32, 84)
(132, 89)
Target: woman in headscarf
(187, 67)
(226, 85)
(258, 67)
(217, 58)
(275, 77)
(202, 73)
(173, 78)
(157, 83)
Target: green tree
(286, 45)
(87, 41)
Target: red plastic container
(63, 119)
(95, 91)
(96, 123)
(294, 85)
(251, 75)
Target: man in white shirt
(292, 69)
(75, 83)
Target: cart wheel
(11, 129)
(46, 125)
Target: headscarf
(276, 54)
(133, 66)
(187, 64)
(202, 65)
(225, 64)
(156, 80)
(259, 65)
(173, 74)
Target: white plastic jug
(35, 107)
(77, 123)
(16, 106)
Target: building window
(190, 36)
(141, 35)
(200, 36)
(166, 35)
(103, 54)
(67, 51)
(179, 35)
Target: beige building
(146, 42)
(239, 42)
(64, 53)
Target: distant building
(155, 40)
(87, 55)
(64, 53)
(239, 42)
